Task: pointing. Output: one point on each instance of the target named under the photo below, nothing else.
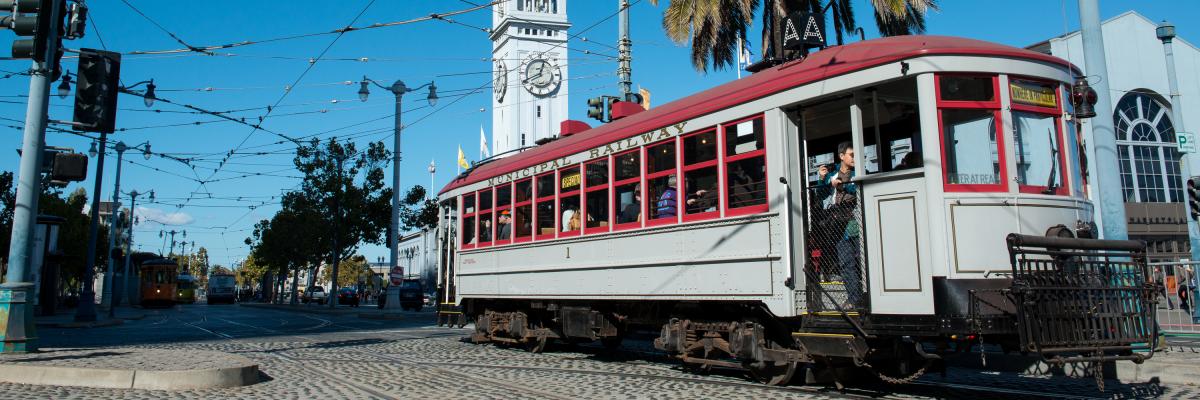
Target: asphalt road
(342, 356)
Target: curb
(130, 379)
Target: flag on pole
(743, 56)
(645, 97)
(483, 147)
(462, 160)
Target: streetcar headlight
(1060, 231)
(157, 290)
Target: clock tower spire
(529, 70)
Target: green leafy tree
(712, 27)
(416, 211)
(351, 272)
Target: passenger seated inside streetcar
(668, 201)
(702, 200)
(744, 189)
(570, 220)
(631, 205)
(503, 226)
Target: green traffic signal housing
(596, 109)
(32, 18)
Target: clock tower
(529, 71)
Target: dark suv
(412, 296)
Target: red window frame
(995, 107)
(462, 241)
(497, 209)
(727, 160)
(639, 179)
(714, 163)
(562, 195)
(553, 199)
(666, 172)
(491, 217)
(1055, 112)
(532, 211)
(587, 190)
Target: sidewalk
(67, 319)
(1177, 365)
(129, 368)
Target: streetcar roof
(824, 64)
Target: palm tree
(713, 26)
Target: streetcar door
(892, 183)
(447, 237)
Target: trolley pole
(114, 226)
(1103, 140)
(1191, 163)
(624, 53)
(17, 330)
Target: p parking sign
(1186, 141)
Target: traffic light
(596, 108)
(99, 74)
(1193, 192)
(635, 98)
(31, 18)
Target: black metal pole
(86, 311)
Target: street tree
(712, 27)
(285, 244)
(417, 212)
(72, 236)
(351, 272)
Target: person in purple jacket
(668, 202)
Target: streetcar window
(1038, 154)
(468, 230)
(596, 195)
(660, 158)
(568, 199)
(522, 220)
(485, 200)
(545, 185)
(966, 88)
(890, 117)
(662, 181)
(523, 192)
(545, 206)
(699, 148)
(746, 183)
(485, 228)
(627, 189)
(745, 167)
(628, 166)
(699, 191)
(744, 137)
(970, 146)
(503, 195)
(468, 204)
(522, 215)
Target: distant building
(1149, 157)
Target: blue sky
(247, 189)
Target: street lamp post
(398, 89)
(432, 170)
(1191, 164)
(114, 225)
(129, 245)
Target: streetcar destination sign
(1032, 93)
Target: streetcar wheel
(772, 373)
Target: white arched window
(1146, 146)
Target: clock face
(500, 85)
(540, 76)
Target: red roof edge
(571, 126)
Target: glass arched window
(1146, 146)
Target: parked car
(315, 294)
(411, 295)
(347, 296)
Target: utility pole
(337, 216)
(398, 90)
(129, 244)
(1106, 176)
(114, 226)
(1191, 162)
(624, 53)
(18, 333)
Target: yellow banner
(1033, 94)
(570, 181)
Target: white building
(422, 247)
(1137, 82)
(529, 87)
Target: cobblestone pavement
(336, 356)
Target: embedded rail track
(654, 363)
